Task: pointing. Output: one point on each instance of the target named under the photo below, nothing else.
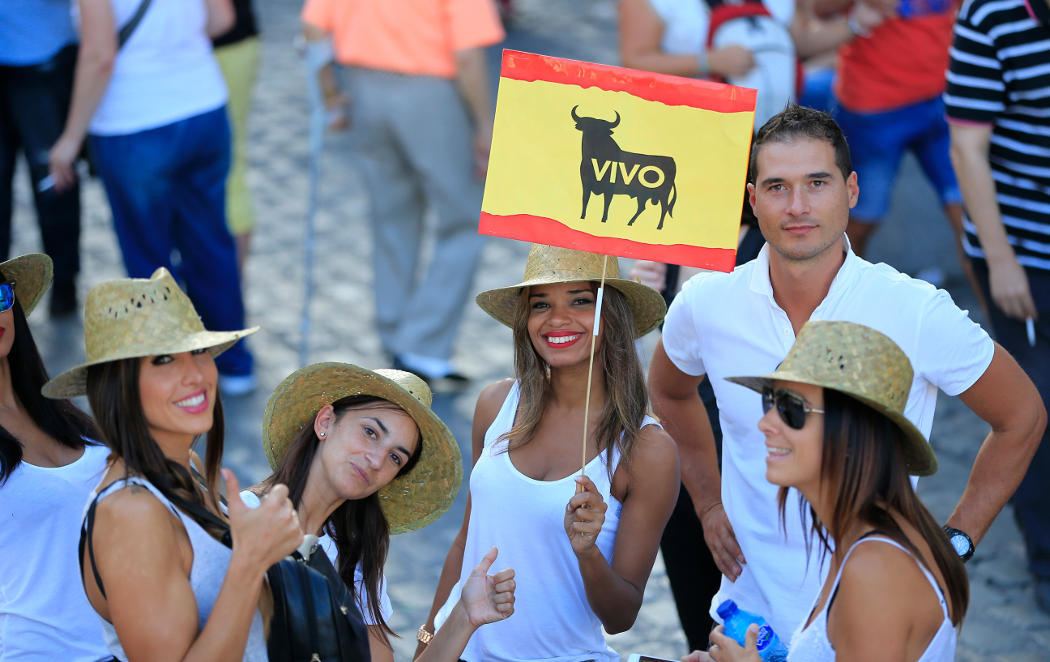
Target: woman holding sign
(582, 545)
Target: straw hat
(549, 264)
(133, 317)
(32, 276)
(859, 362)
(410, 501)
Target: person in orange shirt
(421, 124)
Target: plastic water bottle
(736, 620)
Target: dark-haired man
(802, 188)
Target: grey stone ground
(1003, 623)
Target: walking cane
(317, 55)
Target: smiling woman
(588, 541)
(163, 585)
(835, 431)
(364, 457)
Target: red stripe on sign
(538, 229)
(669, 90)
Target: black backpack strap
(85, 538)
(125, 31)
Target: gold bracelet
(423, 635)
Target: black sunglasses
(791, 407)
(7, 296)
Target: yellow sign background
(536, 151)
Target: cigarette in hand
(1029, 327)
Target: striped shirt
(1000, 76)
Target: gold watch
(424, 636)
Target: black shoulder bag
(315, 618)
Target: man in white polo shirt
(743, 323)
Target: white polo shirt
(726, 325)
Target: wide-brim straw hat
(410, 501)
(862, 363)
(548, 265)
(130, 318)
(31, 274)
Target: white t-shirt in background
(165, 72)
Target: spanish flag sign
(616, 161)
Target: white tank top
(211, 558)
(812, 645)
(523, 517)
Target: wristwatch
(961, 543)
(423, 635)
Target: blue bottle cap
(726, 609)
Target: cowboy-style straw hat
(129, 318)
(32, 276)
(410, 501)
(547, 265)
(862, 363)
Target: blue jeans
(34, 101)
(877, 141)
(167, 189)
(1031, 501)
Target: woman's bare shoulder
(653, 444)
(491, 399)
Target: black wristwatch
(960, 542)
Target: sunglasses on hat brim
(790, 406)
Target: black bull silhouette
(607, 170)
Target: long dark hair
(113, 393)
(862, 457)
(624, 408)
(59, 419)
(358, 527)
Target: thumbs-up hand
(488, 598)
(262, 536)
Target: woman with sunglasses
(836, 432)
(364, 456)
(48, 465)
(163, 585)
(582, 545)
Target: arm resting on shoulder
(1006, 399)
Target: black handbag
(315, 618)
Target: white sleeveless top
(211, 558)
(523, 517)
(811, 644)
(43, 616)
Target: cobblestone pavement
(1003, 622)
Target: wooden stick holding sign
(590, 365)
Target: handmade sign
(616, 161)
